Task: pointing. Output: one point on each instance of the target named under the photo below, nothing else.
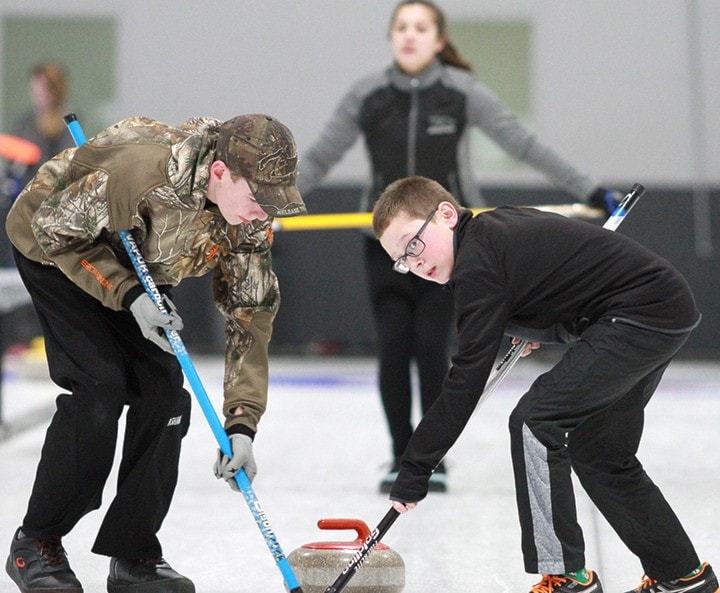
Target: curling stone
(317, 565)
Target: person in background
(199, 198)
(43, 124)
(415, 117)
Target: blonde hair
(415, 197)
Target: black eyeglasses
(414, 247)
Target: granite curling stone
(317, 565)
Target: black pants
(104, 363)
(413, 318)
(587, 414)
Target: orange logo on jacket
(104, 282)
(213, 252)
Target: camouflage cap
(262, 150)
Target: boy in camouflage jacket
(198, 197)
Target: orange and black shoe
(701, 580)
(557, 583)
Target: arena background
(627, 90)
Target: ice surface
(321, 452)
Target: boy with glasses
(625, 311)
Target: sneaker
(149, 575)
(389, 478)
(438, 479)
(702, 580)
(561, 584)
(40, 566)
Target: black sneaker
(552, 583)
(149, 575)
(40, 566)
(438, 479)
(389, 478)
(702, 580)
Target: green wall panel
(85, 46)
(500, 54)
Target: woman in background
(43, 124)
(415, 117)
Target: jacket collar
(464, 216)
(406, 82)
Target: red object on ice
(19, 150)
(361, 528)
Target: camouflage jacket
(144, 175)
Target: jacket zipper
(412, 126)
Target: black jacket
(538, 270)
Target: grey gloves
(242, 457)
(153, 322)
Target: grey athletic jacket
(419, 125)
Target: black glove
(605, 199)
(242, 457)
(153, 322)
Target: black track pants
(413, 318)
(102, 361)
(587, 414)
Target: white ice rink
(321, 451)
